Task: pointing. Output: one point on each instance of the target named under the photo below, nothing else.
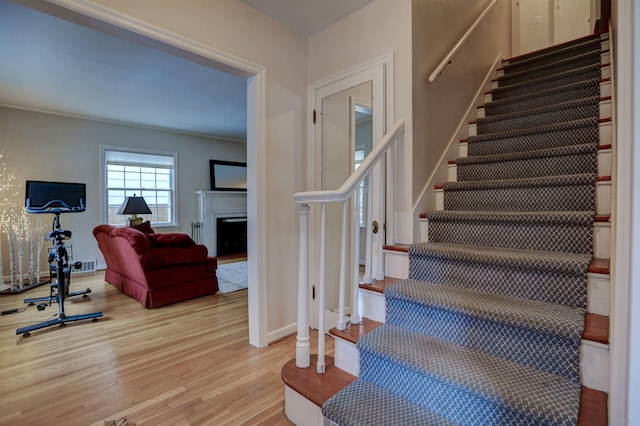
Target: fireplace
(214, 206)
(231, 235)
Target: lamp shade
(134, 205)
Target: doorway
(97, 18)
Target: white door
(572, 19)
(537, 24)
(336, 146)
(532, 26)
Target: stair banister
(460, 42)
(343, 194)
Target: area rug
(232, 277)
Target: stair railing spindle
(369, 216)
(342, 323)
(382, 214)
(320, 366)
(355, 308)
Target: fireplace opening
(231, 235)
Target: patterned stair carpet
(487, 329)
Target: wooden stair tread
(596, 328)
(600, 266)
(354, 331)
(397, 247)
(379, 285)
(593, 408)
(317, 388)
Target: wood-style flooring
(185, 364)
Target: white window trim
(103, 182)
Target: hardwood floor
(183, 364)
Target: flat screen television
(51, 197)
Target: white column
(303, 347)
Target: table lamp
(134, 206)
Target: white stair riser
(300, 410)
(346, 356)
(396, 264)
(594, 365)
(603, 197)
(374, 305)
(598, 294)
(602, 240)
(601, 237)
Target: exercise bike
(58, 256)
(57, 235)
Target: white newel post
(303, 347)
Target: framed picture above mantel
(228, 175)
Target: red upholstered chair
(156, 269)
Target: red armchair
(156, 269)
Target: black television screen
(51, 196)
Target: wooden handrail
(347, 188)
(460, 42)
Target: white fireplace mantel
(218, 204)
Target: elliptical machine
(59, 289)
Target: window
(149, 174)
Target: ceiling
(50, 64)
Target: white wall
(57, 148)
(439, 107)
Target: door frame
(117, 24)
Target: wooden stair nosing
(354, 331)
(317, 388)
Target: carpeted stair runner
(589, 72)
(540, 116)
(532, 194)
(487, 328)
(571, 159)
(526, 102)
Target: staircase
(489, 327)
